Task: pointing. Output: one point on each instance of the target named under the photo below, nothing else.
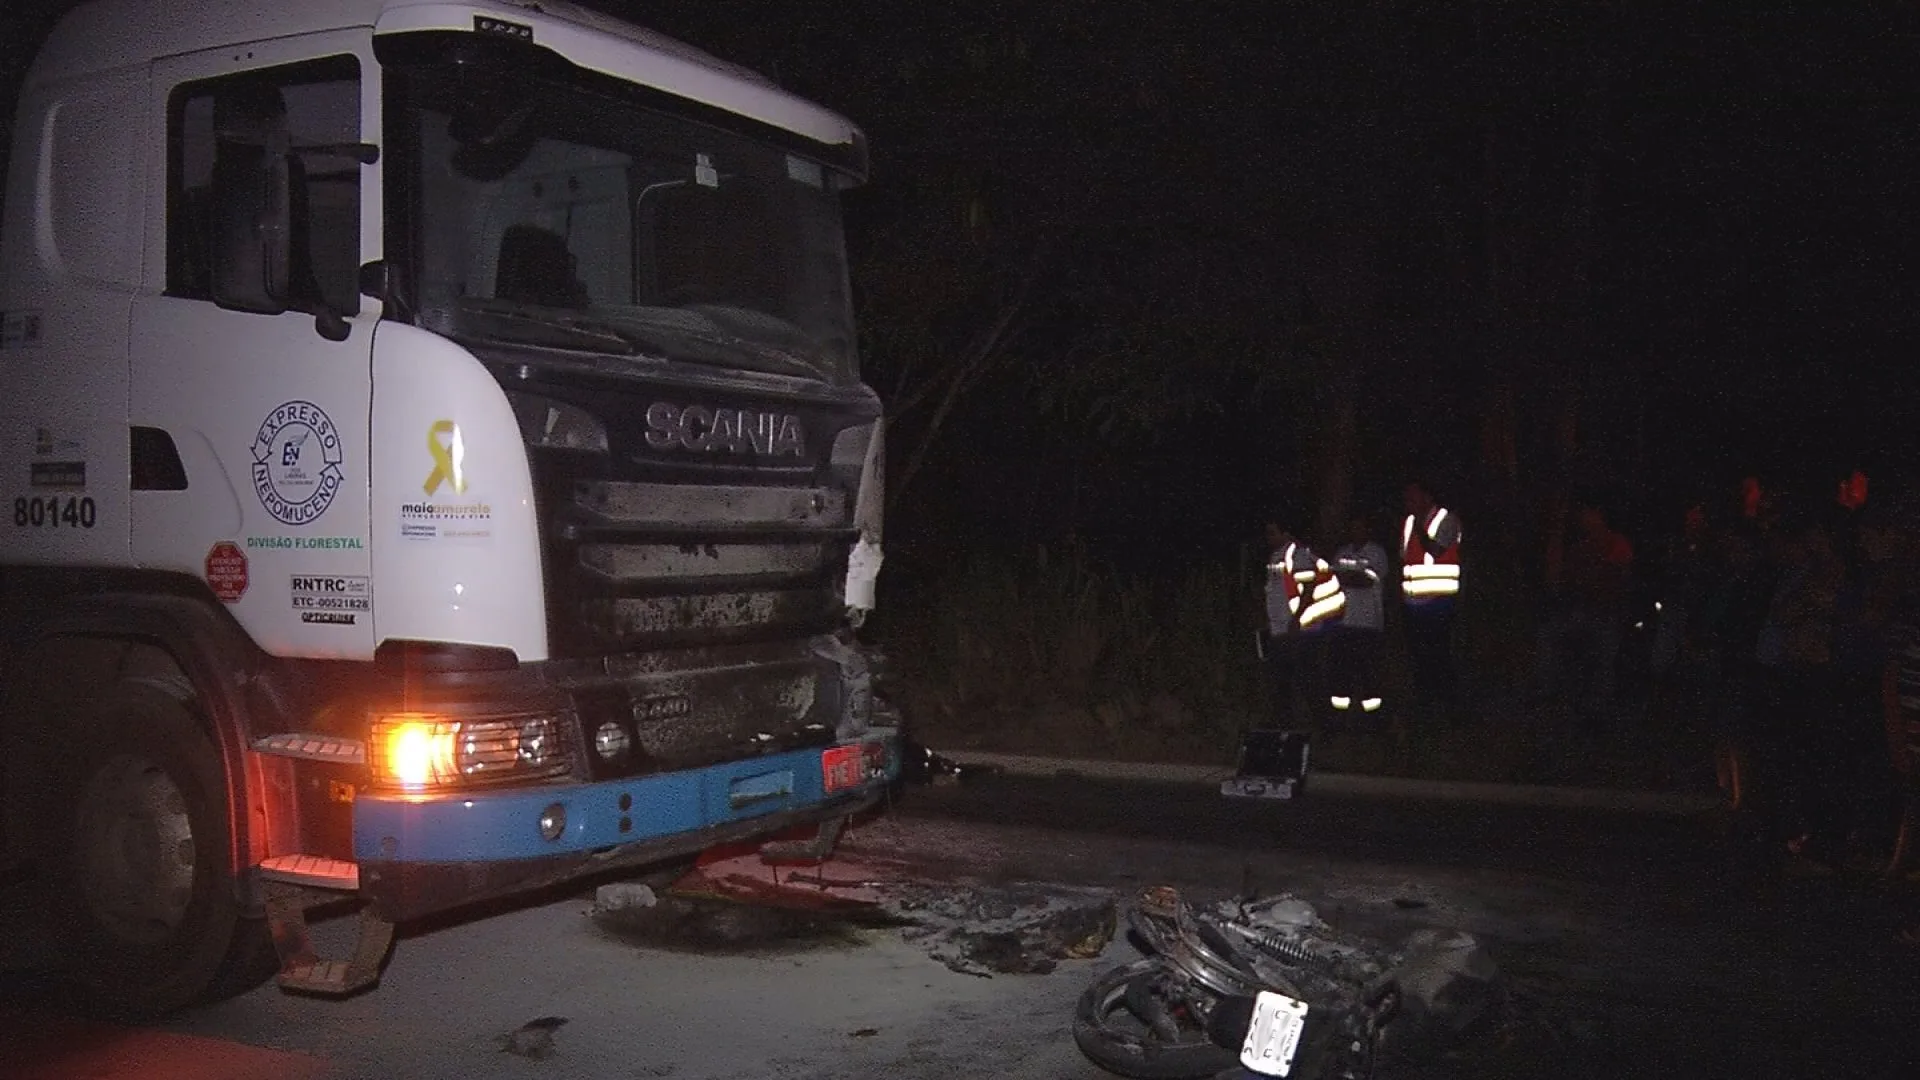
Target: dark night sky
(1737, 180)
(1752, 290)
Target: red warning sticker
(227, 571)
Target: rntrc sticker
(335, 599)
(296, 463)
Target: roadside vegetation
(1057, 654)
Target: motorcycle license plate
(1274, 1036)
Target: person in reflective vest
(1304, 599)
(1361, 566)
(1430, 591)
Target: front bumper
(424, 854)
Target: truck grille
(635, 565)
(707, 706)
(689, 586)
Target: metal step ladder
(293, 885)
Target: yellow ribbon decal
(447, 457)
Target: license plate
(1274, 1036)
(843, 767)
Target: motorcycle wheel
(1114, 1037)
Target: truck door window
(322, 107)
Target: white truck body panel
(456, 547)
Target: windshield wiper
(633, 331)
(562, 331)
(672, 322)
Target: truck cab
(438, 469)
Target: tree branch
(969, 367)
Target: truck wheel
(148, 895)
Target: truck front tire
(146, 890)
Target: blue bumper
(422, 854)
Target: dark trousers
(1866, 788)
(1429, 630)
(1284, 671)
(1355, 668)
(1805, 753)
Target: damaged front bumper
(422, 855)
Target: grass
(1057, 654)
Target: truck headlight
(419, 750)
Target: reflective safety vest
(1314, 599)
(1424, 574)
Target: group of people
(1798, 626)
(1325, 636)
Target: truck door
(251, 360)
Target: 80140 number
(53, 512)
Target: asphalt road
(1634, 944)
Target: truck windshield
(563, 215)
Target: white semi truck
(437, 470)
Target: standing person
(1729, 621)
(1582, 637)
(1360, 648)
(1429, 591)
(1684, 587)
(1303, 600)
(1796, 745)
(1869, 600)
(1679, 662)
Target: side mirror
(252, 227)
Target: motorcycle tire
(1123, 1044)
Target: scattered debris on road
(923, 765)
(1448, 983)
(705, 922)
(533, 1039)
(971, 928)
(624, 896)
(1013, 929)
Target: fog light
(553, 822)
(610, 741)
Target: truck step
(302, 971)
(316, 871)
(313, 748)
(323, 977)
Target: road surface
(1634, 945)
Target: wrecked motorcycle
(1258, 990)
